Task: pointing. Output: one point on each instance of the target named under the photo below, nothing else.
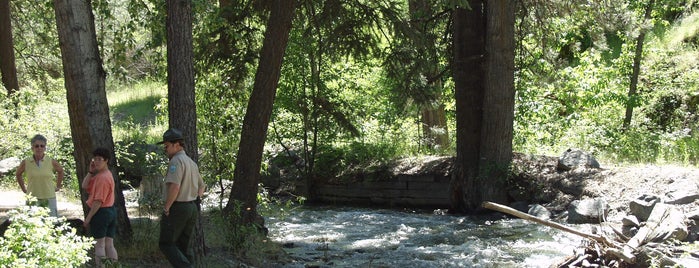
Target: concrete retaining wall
(415, 191)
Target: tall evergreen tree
(484, 87)
(88, 109)
(416, 70)
(498, 102)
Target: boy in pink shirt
(101, 219)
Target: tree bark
(498, 103)
(468, 71)
(8, 69)
(180, 73)
(243, 198)
(483, 70)
(181, 92)
(633, 85)
(87, 99)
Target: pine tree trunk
(181, 94)
(433, 115)
(498, 103)
(88, 109)
(254, 133)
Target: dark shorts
(104, 223)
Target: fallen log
(614, 248)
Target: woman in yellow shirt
(39, 170)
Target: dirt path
(10, 199)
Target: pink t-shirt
(101, 188)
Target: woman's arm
(19, 175)
(59, 174)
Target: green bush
(34, 239)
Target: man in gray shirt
(183, 186)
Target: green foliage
(137, 159)
(335, 160)
(229, 38)
(143, 245)
(34, 239)
(582, 103)
(35, 41)
(127, 33)
(220, 115)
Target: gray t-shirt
(183, 171)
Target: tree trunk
(633, 85)
(180, 69)
(87, 99)
(433, 117)
(468, 71)
(434, 121)
(498, 103)
(181, 96)
(254, 133)
(8, 69)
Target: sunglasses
(39, 145)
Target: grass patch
(136, 103)
(135, 111)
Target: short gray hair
(38, 137)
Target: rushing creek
(361, 237)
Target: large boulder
(587, 211)
(539, 211)
(682, 192)
(573, 158)
(642, 206)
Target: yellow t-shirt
(40, 178)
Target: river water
(325, 236)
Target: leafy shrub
(34, 239)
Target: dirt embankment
(539, 178)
